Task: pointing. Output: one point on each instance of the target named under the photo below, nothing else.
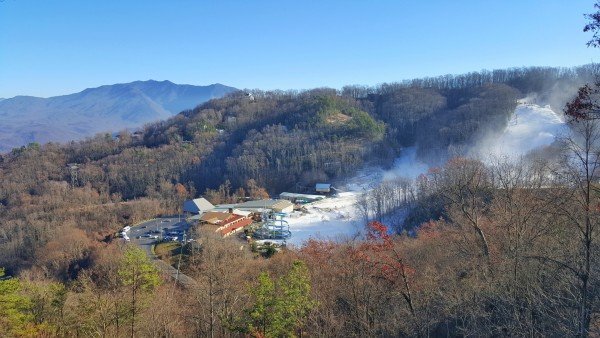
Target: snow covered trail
(532, 126)
(337, 218)
(333, 218)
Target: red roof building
(225, 223)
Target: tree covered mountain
(55, 226)
(27, 119)
(276, 140)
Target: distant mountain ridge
(26, 119)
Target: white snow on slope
(337, 218)
(531, 127)
(333, 218)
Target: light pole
(180, 254)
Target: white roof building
(197, 206)
(275, 205)
(279, 205)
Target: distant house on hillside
(197, 206)
(323, 187)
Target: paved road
(160, 227)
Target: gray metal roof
(265, 204)
(323, 186)
(295, 195)
(197, 205)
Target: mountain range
(108, 108)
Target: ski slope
(337, 218)
(531, 126)
(329, 219)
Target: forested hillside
(56, 223)
(276, 140)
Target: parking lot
(147, 233)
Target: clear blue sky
(53, 47)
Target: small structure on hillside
(197, 206)
(73, 171)
(323, 188)
(300, 198)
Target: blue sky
(54, 47)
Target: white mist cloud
(407, 166)
(531, 127)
